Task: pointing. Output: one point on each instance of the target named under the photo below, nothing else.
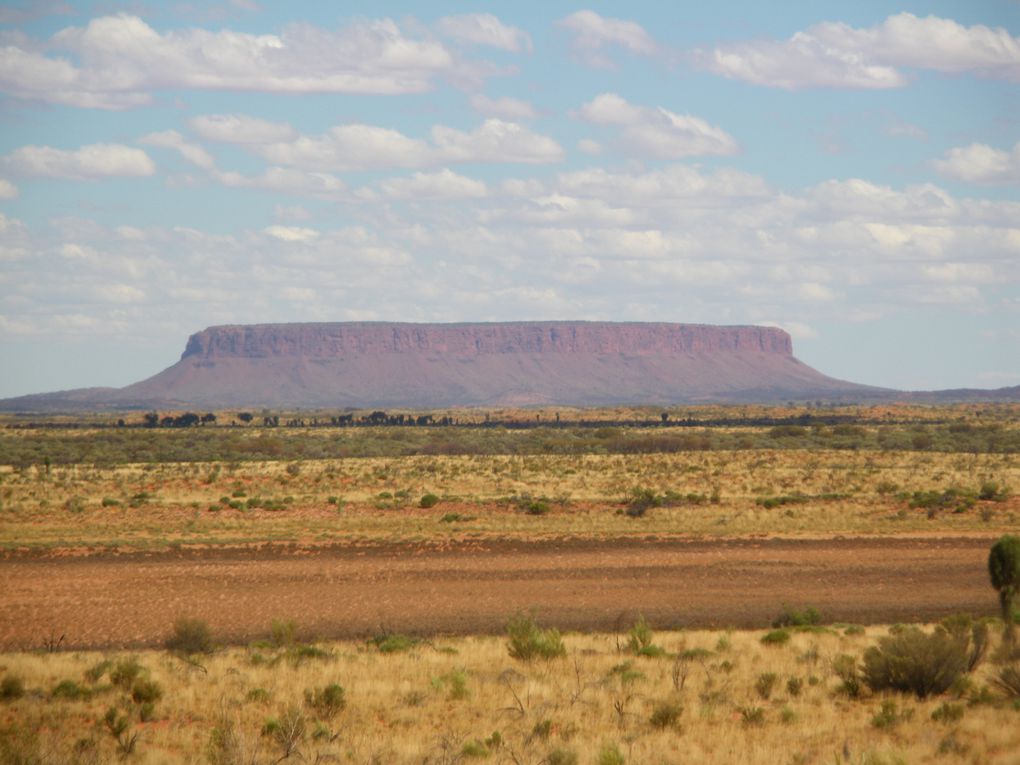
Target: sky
(849, 172)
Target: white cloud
(505, 107)
(980, 163)
(93, 161)
(123, 59)
(292, 233)
(593, 33)
(287, 181)
(485, 29)
(241, 129)
(798, 330)
(815, 292)
(588, 146)
(657, 132)
(350, 147)
(836, 55)
(171, 139)
(362, 147)
(495, 141)
(7, 189)
(444, 184)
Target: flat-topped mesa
(332, 340)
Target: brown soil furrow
(133, 599)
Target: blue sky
(849, 173)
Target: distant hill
(382, 364)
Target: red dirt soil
(121, 600)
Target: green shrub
(948, 713)
(1008, 681)
(992, 491)
(889, 715)
(527, 641)
(326, 702)
(125, 672)
(610, 754)
(394, 643)
(916, 662)
(190, 636)
(845, 668)
(561, 757)
(641, 500)
(428, 500)
(11, 688)
(752, 715)
(666, 714)
(640, 640)
(791, 617)
(776, 637)
(765, 683)
(69, 690)
(146, 691)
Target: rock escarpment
(377, 364)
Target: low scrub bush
(890, 715)
(11, 688)
(917, 662)
(792, 617)
(326, 702)
(1007, 680)
(190, 636)
(528, 641)
(561, 757)
(146, 691)
(640, 640)
(428, 500)
(70, 691)
(776, 637)
(394, 643)
(666, 714)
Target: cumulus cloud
(495, 141)
(97, 160)
(241, 129)
(171, 139)
(363, 147)
(444, 184)
(980, 163)
(505, 107)
(657, 132)
(286, 180)
(485, 29)
(292, 233)
(7, 189)
(836, 55)
(593, 34)
(121, 60)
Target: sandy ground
(110, 600)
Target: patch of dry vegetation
(709, 697)
(437, 497)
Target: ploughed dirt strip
(109, 600)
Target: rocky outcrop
(376, 364)
(323, 341)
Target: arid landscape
(718, 574)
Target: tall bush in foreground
(528, 641)
(1004, 571)
(913, 661)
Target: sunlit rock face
(514, 363)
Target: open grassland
(416, 498)
(795, 695)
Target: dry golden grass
(439, 701)
(377, 498)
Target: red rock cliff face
(354, 338)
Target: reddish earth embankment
(132, 599)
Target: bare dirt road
(110, 600)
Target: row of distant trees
(186, 420)
(189, 419)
